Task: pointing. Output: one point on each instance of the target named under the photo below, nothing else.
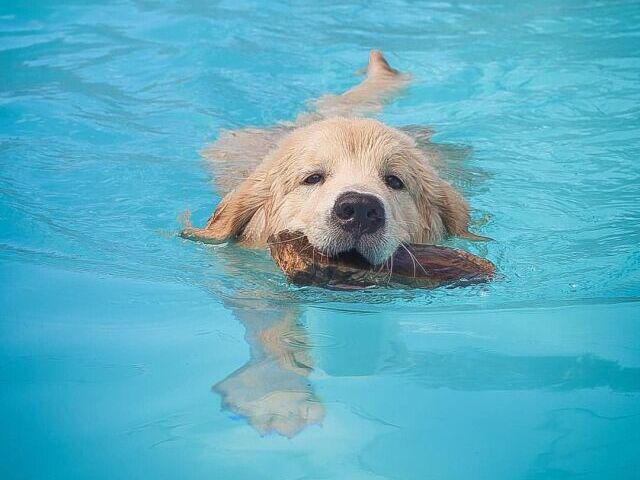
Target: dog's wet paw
(285, 412)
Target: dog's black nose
(358, 213)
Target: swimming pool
(114, 331)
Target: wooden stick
(422, 266)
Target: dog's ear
(238, 207)
(452, 208)
(443, 209)
(454, 212)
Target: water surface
(113, 331)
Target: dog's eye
(313, 179)
(393, 182)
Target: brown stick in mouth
(415, 265)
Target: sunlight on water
(114, 330)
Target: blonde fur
(352, 154)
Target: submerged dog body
(347, 183)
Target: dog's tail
(378, 65)
(369, 96)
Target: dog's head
(347, 184)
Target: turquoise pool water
(113, 332)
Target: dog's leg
(272, 390)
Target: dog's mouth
(353, 257)
(365, 250)
(362, 258)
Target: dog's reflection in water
(272, 390)
(274, 393)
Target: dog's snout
(358, 213)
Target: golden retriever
(346, 182)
